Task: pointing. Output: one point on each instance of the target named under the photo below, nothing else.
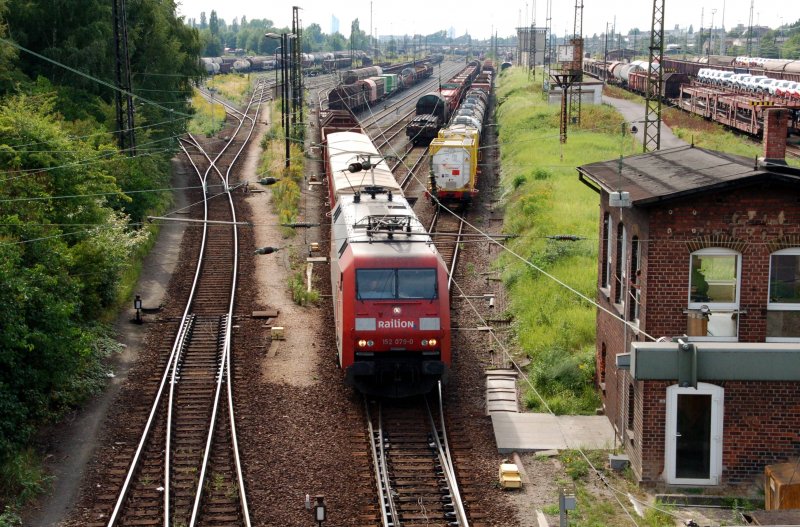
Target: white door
(693, 453)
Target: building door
(694, 434)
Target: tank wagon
(390, 298)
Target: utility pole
(548, 55)
(118, 78)
(564, 80)
(123, 79)
(750, 32)
(577, 65)
(297, 69)
(533, 26)
(128, 83)
(723, 45)
(605, 56)
(287, 130)
(655, 81)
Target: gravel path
(634, 112)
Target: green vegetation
(286, 192)
(72, 205)
(300, 293)
(233, 86)
(543, 197)
(597, 506)
(609, 90)
(209, 118)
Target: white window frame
(717, 394)
(623, 269)
(717, 306)
(781, 306)
(609, 271)
(635, 295)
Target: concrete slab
(527, 432)
(501, 391)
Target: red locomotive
(389, 283)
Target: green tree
(313, 38)
(63, 253)
(203, 23)
(791, 49)
(213, 23)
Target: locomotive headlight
(424, 343)
(432, 342)
(362, 343)
(370, 343)
(396, 310)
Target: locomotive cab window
(375, 284)
(416, 283)
(392, 284)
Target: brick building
(703, 246)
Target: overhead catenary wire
(90, 77)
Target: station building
(698, 353)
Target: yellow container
(277, 333)
(509, 476)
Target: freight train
(389, 283)
(455, 152)
(369, 85)
(434, 109)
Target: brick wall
(761, 426)
(651, 431)
(776, 125)
(748, 217)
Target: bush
(300, 294)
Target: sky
(425, 17)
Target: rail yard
(211, 364)
(363, 316)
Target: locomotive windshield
(392, 284)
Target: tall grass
(231, 86)
(543, 197)
(208, 117)
(286, 192)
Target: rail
(172, 371)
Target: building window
(619, 269)
(634, 287)
(714, 284)
(783, 306)
(605, 280)
(602, 368)
(631, 405)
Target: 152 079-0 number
(398, 342)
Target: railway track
(447, 231)
(185, 470)
(413, 464)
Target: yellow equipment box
(509, 476)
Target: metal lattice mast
(118, 78)
(297, 69)
(655, 81)
(548, 54)
(750, 32)
(575, 98)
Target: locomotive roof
(381, 217)
(345, 148)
